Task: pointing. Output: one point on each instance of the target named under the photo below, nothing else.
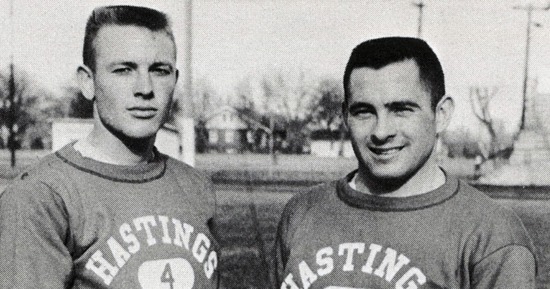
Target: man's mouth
(142, 111)
(386, 151)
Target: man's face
(391, 122)
(134, 79)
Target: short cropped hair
(121, 15)
(380, 52)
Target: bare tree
(244, 96)
(205, 99)
(480, 98)
(25, 114)
(498, 146)
(17, 98)
(329, 107)
(289, 101)
(328, 111)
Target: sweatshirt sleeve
(292, 214)
(503, 254)
(279, 252)
(214, 224)
(34, 230)
(509, 267)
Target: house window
(213, 136)
(229, 136)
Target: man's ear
(85, 79)
(444, 112)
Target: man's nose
(143, 86)
(384, 129)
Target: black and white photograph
(281, 144)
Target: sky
(480, 43)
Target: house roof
(220, 110)
(215, 120)
(225, 117)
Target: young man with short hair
(110, 211)
(399, 221)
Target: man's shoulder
(311, 197)
(478, 203)
(180, 166)
(48, 170)
(487, 215)
(47, 178)
(186, 172)
(494, 226)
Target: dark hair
(121, 15)
(377, 53)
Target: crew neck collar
(380, 203)
(139, 173)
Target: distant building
(230, 131)
(66, 130)
(325, 143)
(226, 130)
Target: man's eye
(403, 110)
(362, 112)
(122, 70)
(162, 71)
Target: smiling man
(399, 220)
(110, 211)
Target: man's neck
(102, 146)
(426, 179)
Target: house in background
(227, 131)
(232, 131)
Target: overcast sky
(479, 42)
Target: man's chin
(386, 171)
(387, 177)
(142, 132)
(133, 130)
(137, 136)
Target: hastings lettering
(139, 233)
(384, 263)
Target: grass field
(249, 210)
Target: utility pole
(188, 65)
(12, 112)
(529, 8)
(184, 118)
(12, 145)
(420, 5)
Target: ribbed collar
(140, 173)
(379, 203)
